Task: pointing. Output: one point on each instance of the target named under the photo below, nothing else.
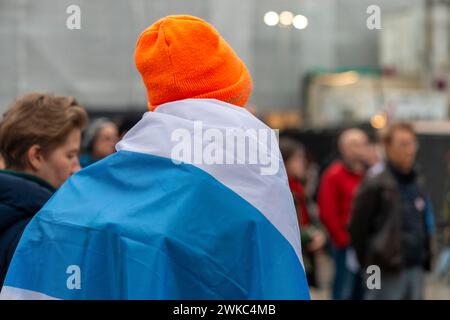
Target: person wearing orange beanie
(145, 223)
(181, 57)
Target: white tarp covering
(95, 63)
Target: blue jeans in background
(347, 284)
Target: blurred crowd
(369, 208)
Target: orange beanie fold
(182, 57)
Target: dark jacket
(389, 226)
(21, 197)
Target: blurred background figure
(312, 237)
(99, 141)
(2, 163)
(40, 138)
(335, 198)
(393, 221)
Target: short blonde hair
(38, 118)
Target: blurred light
(286, 18)
(300, 22)
(379, 120)
(271, 18)
(339, 79)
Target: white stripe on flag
(11, 293)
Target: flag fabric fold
(139, 225)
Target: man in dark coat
(392, 220)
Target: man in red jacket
(335, 198)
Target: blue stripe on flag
(140, 227)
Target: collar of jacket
(390, 180)
(409, 177)
(349, 169)
(30, 177)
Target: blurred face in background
(401, 150)
(353, 147)
(105, 141)
(59, 164)
(296, 165)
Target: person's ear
(35, 157)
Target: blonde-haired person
(39, 142)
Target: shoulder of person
(379, 177)
(335, 169)
(22, 193)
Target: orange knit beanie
(181, 57)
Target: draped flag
(164, 219)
